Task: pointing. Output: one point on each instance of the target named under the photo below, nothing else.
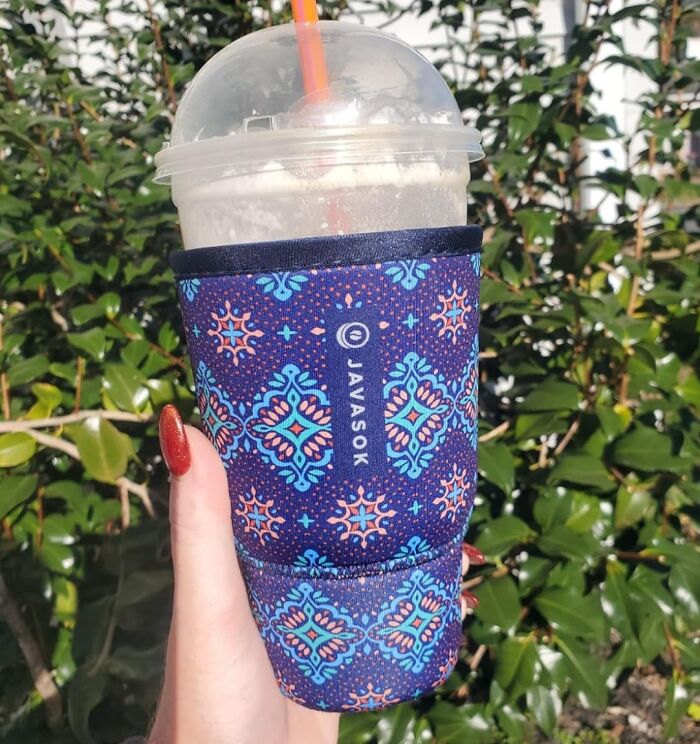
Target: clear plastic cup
(252, 157)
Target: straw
(311, 55)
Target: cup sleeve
(337, 379)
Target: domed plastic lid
(248, 103)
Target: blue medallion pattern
(410, 626)
(291, 425)
(417, 412)
(221, 423)
(317, 635)
(343, 403)
(466, 395)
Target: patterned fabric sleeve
(337, 379)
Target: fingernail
(173, 441)
(476, 557)
(471, 599)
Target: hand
(219, 687)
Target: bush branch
(138, 489)
(73, 418)
(43, 680)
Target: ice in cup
(251, 158)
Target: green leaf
(571, 613)
(104, 450)
(92, 342)
(584, 670)
(358, 728)
(396, 725)
(456, 725)
(631, 506)
(585, 512)
(26, 370)
(522, 122)
(16, 448)
(502, 534)
(515, 665)
(499, 606)
(684, 582)
(564, 542)
(125, 387)
(648, 585)
(616, 600)
(15, 490)
(496, 465)
(49, 395)
(582, 470)
(676, 704)
(545, 705)
(551, 395)
(646, 449)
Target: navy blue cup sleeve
(337, 379)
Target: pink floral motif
(233, 335)
(370, 699)
(453, 313)
(259, 516)
(454, 494)
(361, 520)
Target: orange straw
(311, 54)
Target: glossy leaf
(16, 448)
(104, 450)
(15, 490)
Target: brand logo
(355, 387)
(352, 335)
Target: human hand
(219, 686)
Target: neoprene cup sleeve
(337, 378)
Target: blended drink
(331, 315)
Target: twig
(43, 681)
(638, 247)
(478, 656)
(576, 423)
(125, 506)
(73, 418)
(90, 110)
(494, 433)
(631, 555)
(155, 27)
(80, 371)
(675, 658)
(543, 456)
(670, 253)
(4, 383)
(138, 489)
(82, 144)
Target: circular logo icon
(352, 335)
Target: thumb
(205, 565)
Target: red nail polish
(476, 557)
(471, 599)
(173, 441)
